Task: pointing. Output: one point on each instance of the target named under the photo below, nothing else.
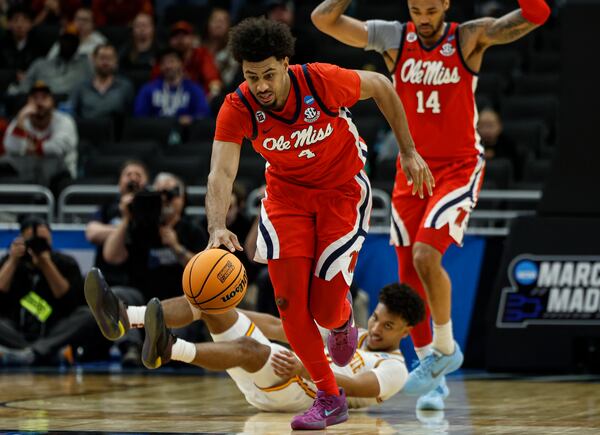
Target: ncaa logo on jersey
(309, 100)
(261, 117)
(447, 49)
(411, 37)
(311, 114)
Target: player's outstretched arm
(224, 165)
(485, 32)
(269, 325)
(377, 86)
(329, 18)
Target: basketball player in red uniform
(434, 65)
(315, 215)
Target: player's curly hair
(256, 39)
(402, 300)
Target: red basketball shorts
(328, 225)
(442, 218)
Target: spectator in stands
(63, 73)
(155, 243)
(495, 142)
(89, 38)
(199, 63)
(41, 142)
(283, 11)
(141, 50)
(215, 40)
(18, 48)
(42, 308)
(172, 95)
(119, 12)
(54, 12)
(133, 178)
(105, 95)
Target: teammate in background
(435, 66)
(268, 374)
(315, 215)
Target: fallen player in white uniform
(268, 374)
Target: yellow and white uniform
(268, 392)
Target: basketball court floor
(149, 402)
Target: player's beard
(434, 31)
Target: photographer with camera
(42, 308)
(133, 178)
(155, 237)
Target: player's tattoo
(329, 6)
(491, 31)
(509, 28)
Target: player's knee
(327, 316)
(425, 259)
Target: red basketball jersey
(312, 141)
(437, 90)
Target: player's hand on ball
(417, 173)
(224, 237)
(286, 365)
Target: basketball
(214, 281)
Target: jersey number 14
(432, 102)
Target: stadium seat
(529, 134)
(193, 149)
(251, 172)
(96, 131)
(142, 150)
(365, 108)
(385, 10)
(544, 63)
(369, 128)
(192, 169)
(202, 130)
(532, 107)
(504, 62)
(537, 171)
(498, 173)
(152, 129)
(491, 84)
(536, 84)
(106, 167)
(385, 170)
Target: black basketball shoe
(108, 310)
(159, 341)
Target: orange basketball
(215, 281)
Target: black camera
(37, 245)
(146, 212)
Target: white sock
(136, 316)
(423, 352)
(443, 340)
(183, 351)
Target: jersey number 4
(307, 153)
(432, 102)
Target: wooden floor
(211, 404)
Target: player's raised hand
(417, 173)
(224, 237)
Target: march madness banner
(544, 313)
